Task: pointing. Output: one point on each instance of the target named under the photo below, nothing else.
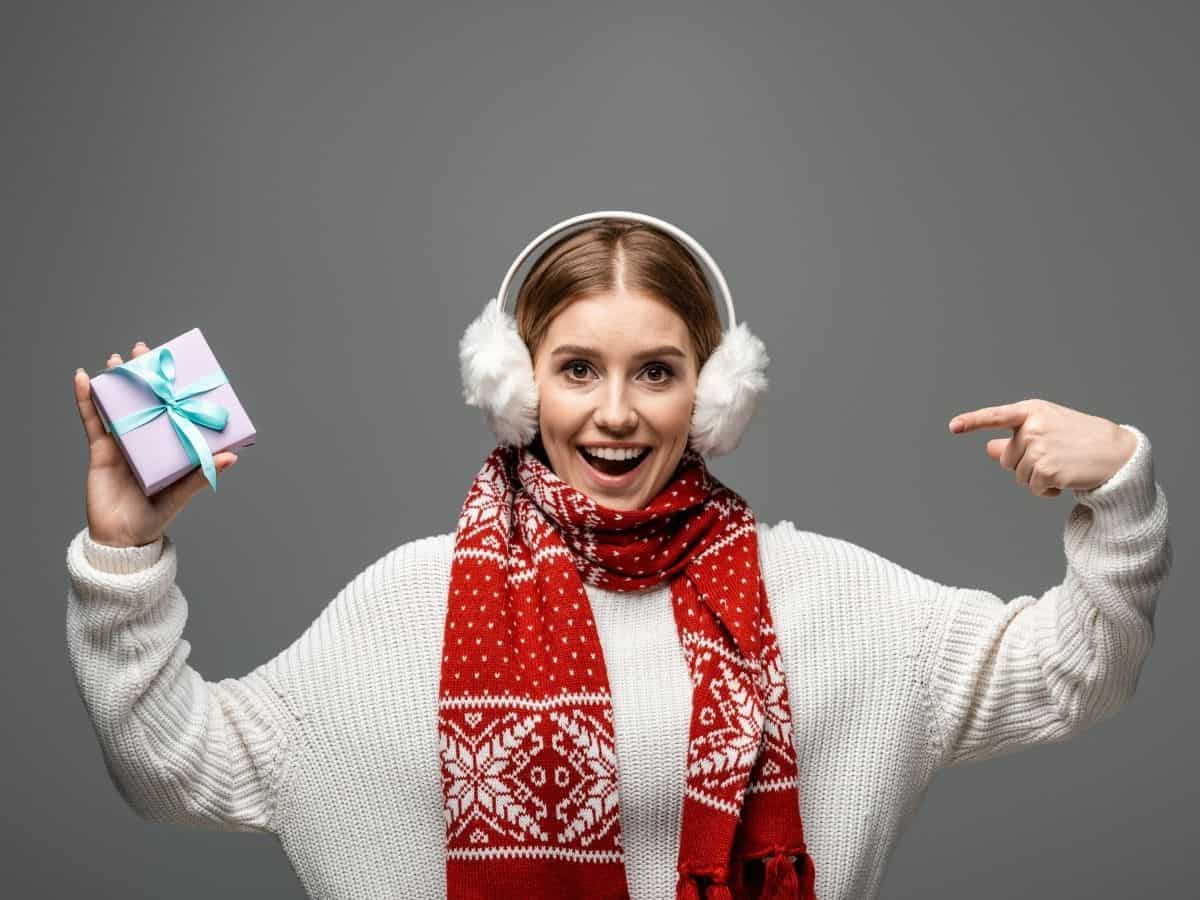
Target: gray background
(922, 208)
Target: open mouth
(614, 467)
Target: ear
(728, 390)
(497, 375)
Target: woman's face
(616, 370)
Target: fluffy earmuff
(497, 375)
(732, 382)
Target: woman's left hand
(1053, 448)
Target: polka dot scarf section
(525, 719)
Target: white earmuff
(497, 371)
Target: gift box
(170, 409)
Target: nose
(614, 412)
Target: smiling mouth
(613, 467)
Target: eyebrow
(665, 350)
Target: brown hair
(618, 253)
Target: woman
(640, 691)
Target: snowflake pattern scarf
(525, 722)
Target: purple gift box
(155, 450)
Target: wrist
(118, 542)
(123, 558)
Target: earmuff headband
(712, 272)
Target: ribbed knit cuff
(128, 576)
(1130, 493)
(120, 560)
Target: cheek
(675, 418)
(557, 414)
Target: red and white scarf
(525, 722)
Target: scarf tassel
(688, 888)
(781, 882)
(780, 879)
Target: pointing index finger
(1009, 415)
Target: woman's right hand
(118, 513)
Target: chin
(620, 503)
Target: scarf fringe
(780, 879)
(688, 886)
(782, 882)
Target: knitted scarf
(525, 721)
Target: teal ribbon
(156, 370)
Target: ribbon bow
(156, 370)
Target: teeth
(612, 453)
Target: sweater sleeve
(1037, 670)
(178, 749)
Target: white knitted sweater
(332, 745)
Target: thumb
(995, 447)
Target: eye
(573, 366)
(664, 369)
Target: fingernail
(140, 344)
(955, 425)
(77, 371)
